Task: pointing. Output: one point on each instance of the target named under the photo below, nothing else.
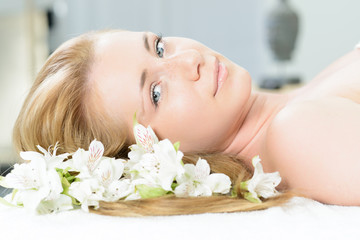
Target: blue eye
(159, 46)
(155, 93)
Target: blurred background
(239, 29)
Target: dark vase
(282, 29)
(282, 26)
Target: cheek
(194, 123)
(201, 123)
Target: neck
(259, 112)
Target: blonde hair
(57, 109)
(58, 106)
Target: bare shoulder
(315, 144)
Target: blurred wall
(228, 26)
(328, 30)
(235, 28)
(23, 49)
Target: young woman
(93, 84)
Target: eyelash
(152, 88)
(158, 40)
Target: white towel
(300, 219)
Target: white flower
(145, 138)
(88, 192)
(30, 199)
(78, 162)
(52, 161)
(26, 175)
(147, 169)
(261, 184)
(170, 163)
(135, 155)
(162, 166)
(96, 151)
(109, 170)
(62, 203)
(108, 173)
(47, 184)
(54, 185)
(197, 181)
(117, 189)
(87, 161)
(133, 196)
(34, 183)
(144, 188)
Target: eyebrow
(146, 42)
(142, 80)
(144, 72)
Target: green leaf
(59, 171)
(13, 194)
(70, 179)
(6, 203)
(248, 196)
(244, 186)
(177, 145)
(174, 185)
(75, 202)
(233, 193)
(150, 192)
(66, 185)
(135, 122)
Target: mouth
(220, 75)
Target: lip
(220, 75)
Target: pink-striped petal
(96, 151)
(146, 138)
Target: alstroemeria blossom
(88, 192)
(52, 160)
(62, 203)
(49, 183)
(86, 162)
(261, 184)
(109, 170)
(117, 189)
(162, 166)
(145, 137)
(33, 182)
(197, 181)
(96, 151)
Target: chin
(240, 88)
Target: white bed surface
(300, 219)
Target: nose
(186, 63)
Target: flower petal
(145, 137)
(54, 185)
(184, 189)
(219, 183)
(262, 184)
(96, 150)
(202, 170)
(118, 189)
(201, 190)
(62, 203)
(267, 186)
(252, 197)
(31, 155)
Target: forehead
(115, 75)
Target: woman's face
(185, 91)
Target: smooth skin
(311, 135)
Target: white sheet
(300, 219)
